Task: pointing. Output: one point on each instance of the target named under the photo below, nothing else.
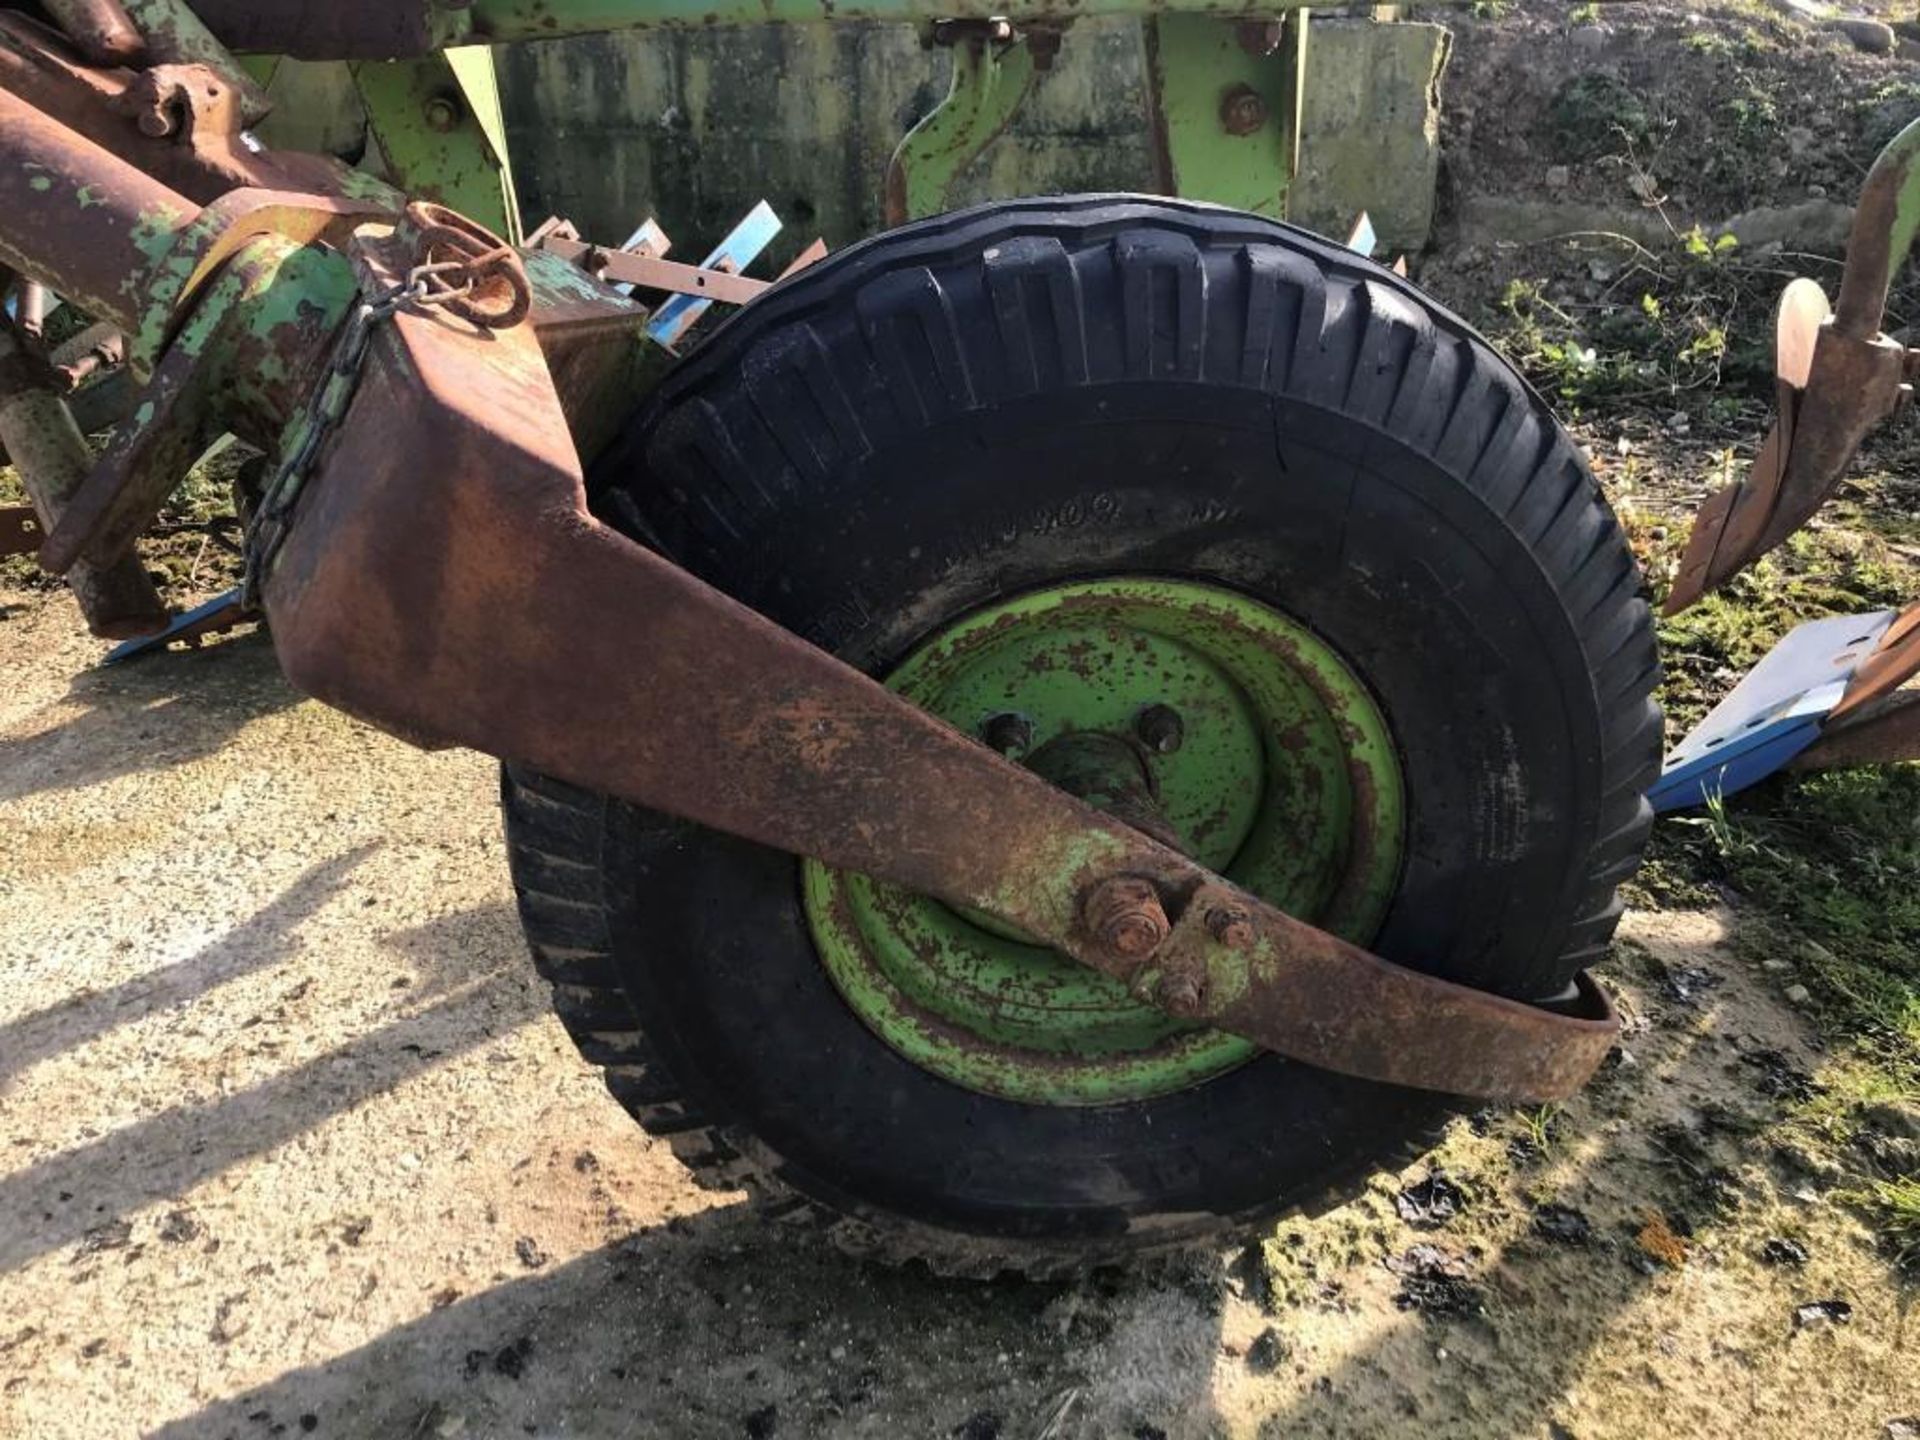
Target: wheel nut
(1160, 729)
(1009, 732)
(1126, 919)
(442, 113)
(1181, 995)
(1242, 111)
(1231, 926)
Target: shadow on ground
(720, 1325)
(468, 995)
(149, 714)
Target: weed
(1893, 1207)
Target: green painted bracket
(438, 123)
(989, 83)
(1224, 100)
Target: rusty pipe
(78, 219)
(99, 29)
(46, 447)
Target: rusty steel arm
(475, 601)
(1837, 377)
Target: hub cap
(1269, 760)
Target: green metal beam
(438, 124)
(502, 20)
(989, 82)
(1224, 101)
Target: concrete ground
(289, 1144)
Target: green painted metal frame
(1224, 102)
(497, 21)
(439, 126)
(990, 81)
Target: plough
(1058, 730)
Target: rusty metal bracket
(1837, 377)
(650, 272)
(385, 601)
(1882, 731)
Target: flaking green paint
(1287, 782)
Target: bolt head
(1160, 729)
(442, 114)
(1181, 995)
(1009, 732)
(1126, 919)
(1231, 926)
(1242, 110)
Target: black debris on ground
(762, 1422)
(1821, 1312)
(1432, 1202)
(179, 1227)
(1778, 1077)
(1685, 984)
(981, 1425)
(111, 1236)
(1435, 1282)
(508, 1360)
(1266, 1352)
(1781, 1251)
(1562, 1224)
(531, 1255)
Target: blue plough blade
(1772, 715)
(223, 612)
(739, 250)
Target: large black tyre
(1022, 393)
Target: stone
(1588, 39)
(1777, 967)
(1814, 953)
(1873, 36)
(1898, 1118)
(1797, 994)
(1559, 177)
(1370, 130)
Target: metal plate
(1773, 714)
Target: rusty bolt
(442, 113)
(1009, 732)
(1125, 917)
(1160, 729)
(1231, 926)
(1181, 995)
(1242, 111)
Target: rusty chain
(482, 281)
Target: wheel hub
(1258, 750)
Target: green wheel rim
(1285, 780)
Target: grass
(1824, 869)
(1894, 1208)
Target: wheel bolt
(1160, 729)
(1125, 918)
(1181, 995)
(442, 113)
(1242, 111)
(1009, 732)
(1231, 926)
